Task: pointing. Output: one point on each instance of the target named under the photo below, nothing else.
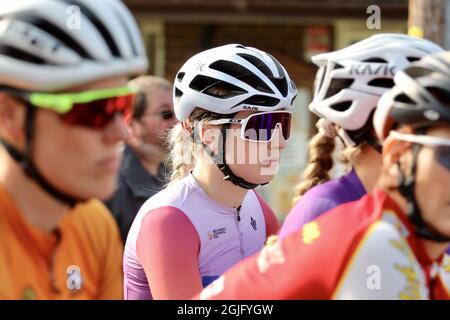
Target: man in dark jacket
(143, 170)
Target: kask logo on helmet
(369, 69)
(199, 66)
(251, 108)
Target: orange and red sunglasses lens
(98, 113)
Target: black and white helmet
(350, 81)
(420, 97)
(49, 45)
(232, 78)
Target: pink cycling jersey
(181, 228)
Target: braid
(321, 148)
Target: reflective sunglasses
(259, 127)
(93, 109)
(441, 146)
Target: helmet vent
(376, 60)
(180, 76)
(21, 55)
(404, 98)
(382, 83)
(443, 96)
(341, 106)
(257, 63)
(109, 40)
(417, 71)
(215, 88)
(337, 85)
(178, 93)
(260, 100)
(56, 32)
(243, 74)
(412, 59)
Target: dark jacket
(135, 186)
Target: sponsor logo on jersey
(411, 290)
(310, 232)
(446, 263)
(270, 255)
(74, 279)
(253, 223)
(214, 234)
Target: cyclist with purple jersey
(234, 105)
(348, 85)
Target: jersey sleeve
(305, 265)
(305, 210)
(167, 247)
(272, 224)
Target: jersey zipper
(237, 220)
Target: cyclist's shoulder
(383, 252)
(322, 197)
(337, 191)
(175, 194)
(349, 220)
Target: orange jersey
(82, 259)
(365, 249)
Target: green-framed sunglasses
(93, 108)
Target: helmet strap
(221, 162)
(406, 187)
(24, 160)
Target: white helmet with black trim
(41, 50)
(420, 97)
(421, 100)
(43, 46)
(232, 78)
(350, 81)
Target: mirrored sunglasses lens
(261, 126)
(98, 113)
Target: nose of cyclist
(278, 140)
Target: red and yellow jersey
(360, 250)
(82, 259)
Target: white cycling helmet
(232, 78)
(420, 97)
(49, 45)
(350, 81)
(44, 48)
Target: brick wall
(284, 42)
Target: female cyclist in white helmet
(349, 83)
(234, 105)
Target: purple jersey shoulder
(321, 199)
